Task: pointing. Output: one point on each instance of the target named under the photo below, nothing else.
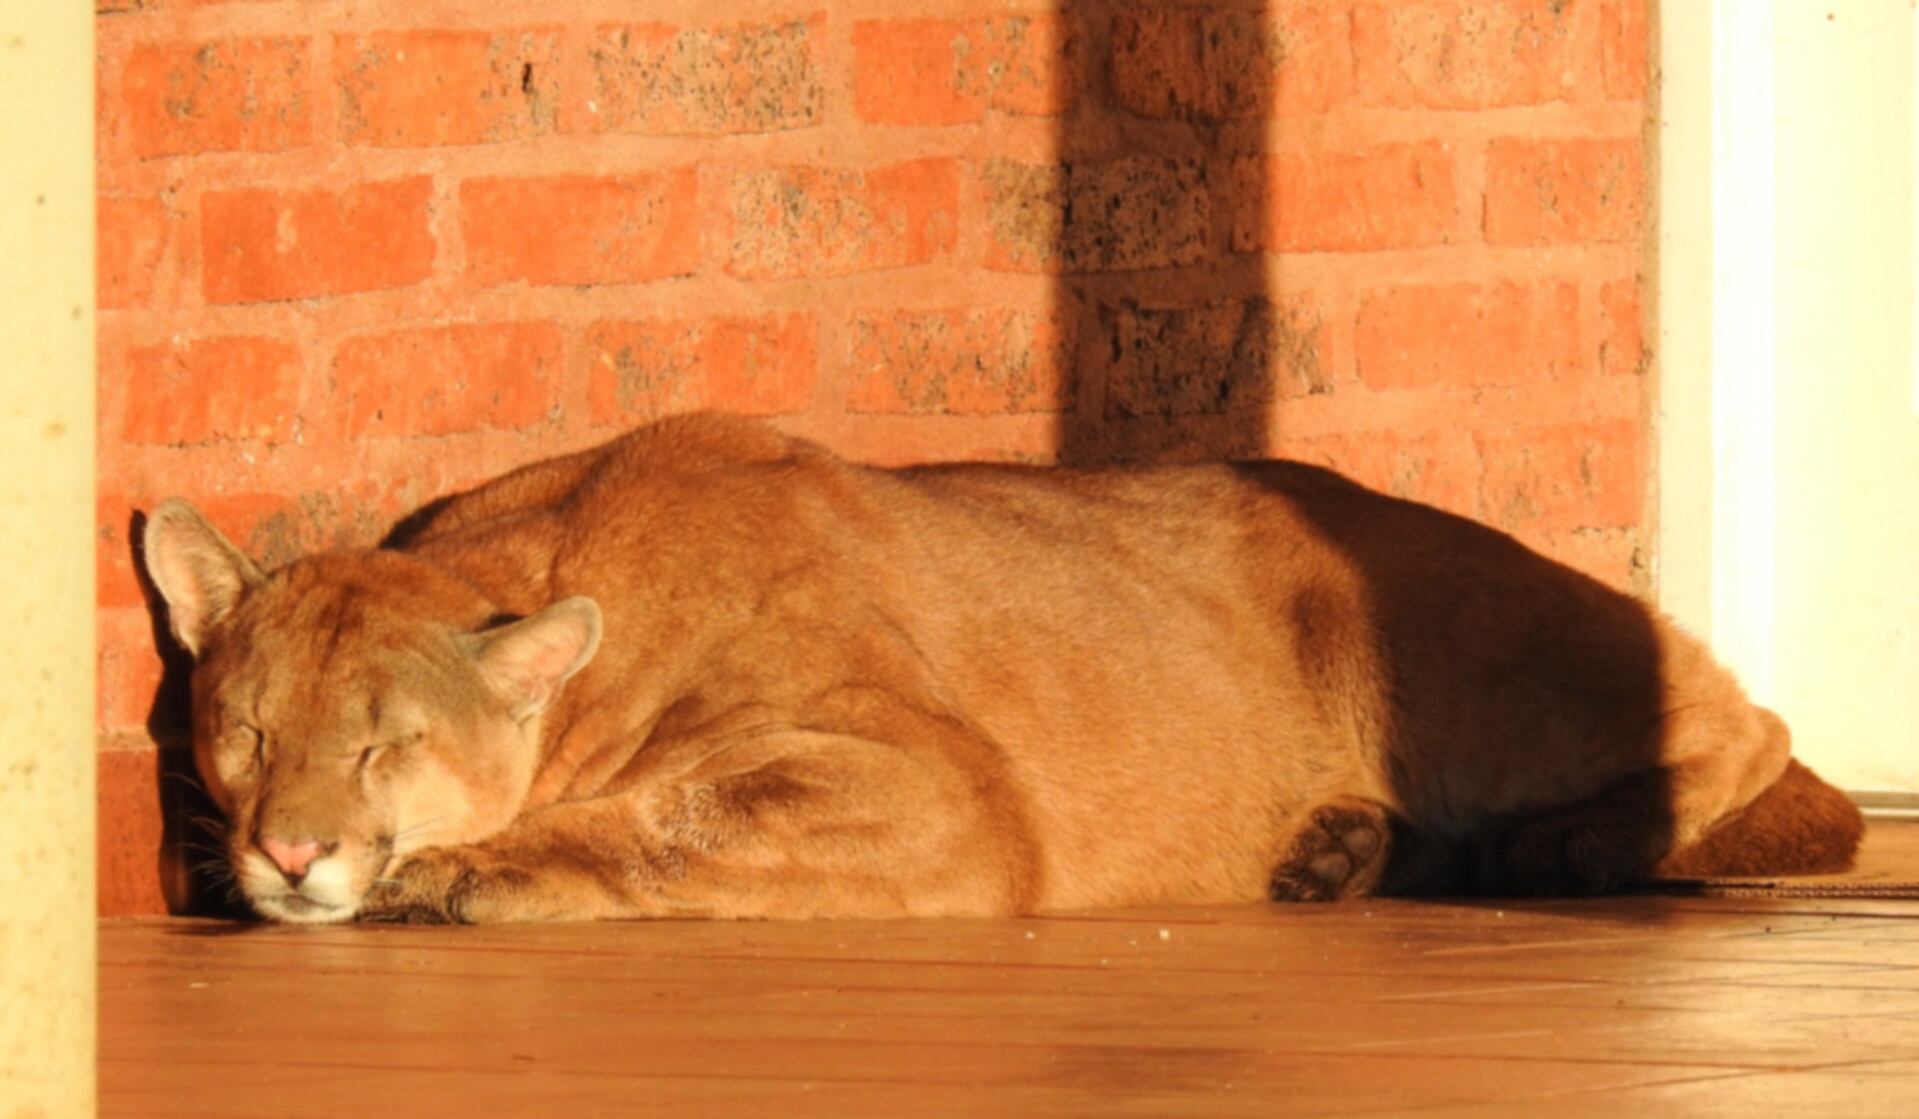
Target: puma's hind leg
(1339, 850)
(1717, 759)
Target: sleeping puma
(708, 670)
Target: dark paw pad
(1339, 853)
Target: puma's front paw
(444, 886)
(1339, 853)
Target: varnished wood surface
(1639, 1005)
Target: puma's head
(352, 707)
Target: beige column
(46, 561)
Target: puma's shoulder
(697, 442)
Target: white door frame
(1716, 334)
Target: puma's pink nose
(292, 858)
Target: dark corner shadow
(190, 863)
(1172, 349)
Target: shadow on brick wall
(1170, 340)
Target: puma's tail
(1799, 825)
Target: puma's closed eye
(249, 740)
(373, 753)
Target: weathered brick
(661, 80)
(1437, 467)
(209, 390)
(963, 361)
(425, 88)
(1112, 216)
(1622, 351)
(1180, 361)
(763, 365)
(823, 221)
(258, 245)
(447, 379)
(934, 72)
(1465, 54)
(1456, 335)
(1558, 191)
(1029, 65)
(577, 229)
(1624, 48)
(231, 95)
(1394, 196)
(132, 235)
(1229, 64)
(1561, 478)
(276, 529)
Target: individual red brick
(1182, 361)
(1624, 48)
(1622, 352)
(821, 221)
(1110, 216)
(231, 95)
(764, 365)
(1558, 191)
(1464, 54)
(1573, 476)
(908, 71)
(1394, 196)
(1230, 64)
(1457, 335)
(211, 390)
(129, 667)
(933, 72)
(424, 88)
(1437, 467)
(580, 229)
(259, 245)
(447, 379)
(662, 80)
(130, 829)
(132, 235)
(977, 361)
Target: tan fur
(822, 689)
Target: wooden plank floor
(1661, 1006)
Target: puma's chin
(296, 908)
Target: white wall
(1789, 440)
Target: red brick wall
(355, 254)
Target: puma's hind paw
(1340, 852)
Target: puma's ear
(527, 661)
(200, 574)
